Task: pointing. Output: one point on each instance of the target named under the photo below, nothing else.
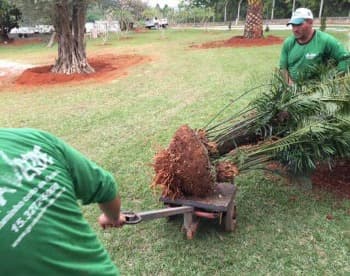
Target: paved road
(272, 27)
(8, 67)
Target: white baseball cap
(299, 16)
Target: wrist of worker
(111, 209)
(106, 221)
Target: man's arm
(286, 76)
(340, 54)
(90, 182)
(283, 63)
(111, 216)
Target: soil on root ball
(226, 171)
(184, 168)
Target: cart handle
(134, 218)
(131, 217)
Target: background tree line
(188, 11)
(219, 10)
(69, 17)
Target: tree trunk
(4, 36)
(253, 27)
(238, 11)
(321, 9)
(293, 7)
(70, 29)
(225, 12)
(273, 9)
(52, 40)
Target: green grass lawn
(282, 229)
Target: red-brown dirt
(240, 41)
(226, 171)
(107, 67)
(335, 180)
(184, 169)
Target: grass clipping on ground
(184, 168)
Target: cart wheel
(230, 218)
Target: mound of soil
(107, 67)
(184, 169)
(141, 30)
(335, 180)
(240, 41)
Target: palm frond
(312, 128)
(302, 149)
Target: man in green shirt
(308, 48)
(42, 228)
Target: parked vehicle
(155, 23)
(23, 31)
(100, 27)
(44, 29)
(29, 31)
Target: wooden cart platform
(220, 204)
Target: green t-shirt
(299, 59)
(42, 228)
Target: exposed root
(184, 169)
(226, 171)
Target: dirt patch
(107, 67)
(240, 41)
(141, 30)
(335, 180)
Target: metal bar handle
(131, 217)
(134, 218)
(167, 212)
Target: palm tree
(253, 27)
(297, 126)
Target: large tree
(253, 27)
(69, 22)
(68, 18)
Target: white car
(23, 31)
(156, 23)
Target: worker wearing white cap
(307, 48)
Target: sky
(171, 3)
